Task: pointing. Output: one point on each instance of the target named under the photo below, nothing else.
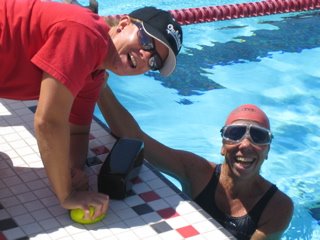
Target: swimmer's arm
(275, 218)
(190, 169)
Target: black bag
(122, 165)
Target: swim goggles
(147, 44)
(236, 133)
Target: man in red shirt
(40, 42)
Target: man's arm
(191, 170)
(53, 136)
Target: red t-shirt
(67, 41)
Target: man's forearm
(53, 141)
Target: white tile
(50, 201)
(215, 235)
(117, 205)
(28, 175)
(48, 224)
(10, 181)
(133, 200)
(9, 201)
(64, 219)
(5, 147)
(194, 217)
(19, 188)
(152, 217)
(41, 236)
(83, 236)
(12, 137)
(147, 175)
(144, 232)
(118, 228)
(57, 210)
(17, 210)
(102, 233)
(165, 192)
(5, 193)
(24, 219)
(32, 228)
(42, 193)
(205, 226)
(75, 229)
(6, 130)
(33, 185)
(127, 235)
(30, 158)
(7, 172)
(4, 214)
(126, 213)
(158, 204)
(41, 214)
(27, 197)
(171, 235)
(185, 207)
(174, 200)
(59, 233)
(24, 150)
(33, 205)
(177, 222)
(111, 217)
(156, 183)
(141, 187)
(135, 222)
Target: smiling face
(244, 158)
(129, 57)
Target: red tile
(100, 150)
(187, 231)
(149, 196)
(136, 180)
(168, 213)
(2, 237)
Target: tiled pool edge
(146, 197)
(174, 187)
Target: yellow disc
(77, 216)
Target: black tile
(23, 238)
(161, 227)
(33, 108)
(142, 209)
(6, 224)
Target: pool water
(270, 61)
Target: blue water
(271, 61)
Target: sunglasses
(147, 44)
(236, 133)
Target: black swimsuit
(241, 227)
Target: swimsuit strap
(257, 210)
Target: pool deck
(155, 209)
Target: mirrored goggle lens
(155, 62)
(145, 40)
(235, 133)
